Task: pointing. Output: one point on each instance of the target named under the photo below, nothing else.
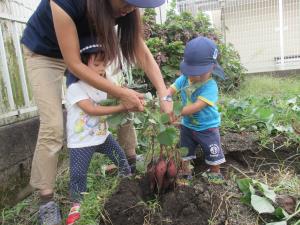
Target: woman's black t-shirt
(39, 35)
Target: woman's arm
(148, 64)
(67, 37)
(192, 108)
(95, 110)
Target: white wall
(253, 27)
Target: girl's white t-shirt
(84, 130)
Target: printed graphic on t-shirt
(90, 126)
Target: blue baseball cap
(88, 45)
(200, 57)
(146, 3)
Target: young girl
(87, 130)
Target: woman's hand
(132, 100)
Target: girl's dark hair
(86, 56)
(103, 23)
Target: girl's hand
(132, 100)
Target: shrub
(166, 42)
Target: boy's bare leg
(215, 169)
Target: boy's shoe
(49, 214)
(214, 178)
(74, 214)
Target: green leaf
(270, 194)
(152, 121)
(161, 127)
(177, 108)
(280, 213)
(183, 151)
(115, 120)
(164, 118)
(137, 120)
(251, 189)
(243, 185)
(148, 96)
(278, 223)
(108, 102)
(246, 199)
(292, 101)
(265, 114)
(261, 205)
(167, 137)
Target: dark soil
(185, 205)
(199, 202)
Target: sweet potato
(151, 175)
(171, 168)
(160, 171)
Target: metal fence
(15, 95)
(266, 33)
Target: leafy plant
(262, 198)
(250, 113)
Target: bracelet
(167, 98)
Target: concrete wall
(17, 146)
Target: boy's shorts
(209, 141)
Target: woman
(51, 44)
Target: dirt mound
(184, 206)
(201, 203)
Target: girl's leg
(80, 159)
(115, 153)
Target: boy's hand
(166, 106)
(176, 121)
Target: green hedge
(166, 42)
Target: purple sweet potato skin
(151, 175)
(171, 169)
(162, 174)
(160, 171)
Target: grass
(100, 187)
(268, 105)
(266, 86)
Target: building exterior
(266, 33)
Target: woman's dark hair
(103, 23)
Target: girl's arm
(95, 110)
(146, 62)
(67, 37)
(192, 108)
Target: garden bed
(198, 202)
